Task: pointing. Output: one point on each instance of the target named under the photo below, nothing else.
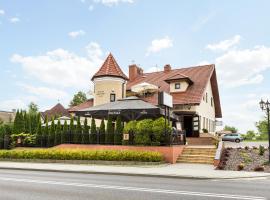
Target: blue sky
(50, 49)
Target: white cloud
(113, 2)
(242, 67)
(91, 8)
(2, 12)
(8, 105)
(44, 92)
(225, 44)
(75, 34)
(153, 69)
(61, 68)
(14, 20)
(159, 44)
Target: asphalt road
(28, 185)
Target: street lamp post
(265, 106)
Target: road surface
(34, 185)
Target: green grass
(72, 154)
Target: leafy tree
(158, 130)
(109, 137)
(64, 133)
(85, 135)
(78, 98)
(231, 128)
(118, 131)
(78, 134)
(32, 108)
(143, 132)
(102, 132)
(51, 133)
(262, 126)
(93, 134)
(27, 122)
(249, 135)
(57, 138)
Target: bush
(109, 137)
(102, 132)
(159, 130)
(261, 150)
(205, 130)
(259, 169)
(240, 167)
(26, 140)
(143, 132)
(93, 130)
(75, 154)
(118, 131)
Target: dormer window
(177, 86)
(112, 97)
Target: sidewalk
(198, 171)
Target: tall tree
(46, 132)
(39, 134)
(118, 131)
(57, 138)
(102, 132)
(32, 108)
(64, 133)
(85, 135)
(78, 134)
(109, 137)
(72, 130)
(52, 133)
(78, 98)
(93, 134)
(27, 122)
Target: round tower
(109, 82)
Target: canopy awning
(131, 108)
(144, 87)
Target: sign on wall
(165, 99)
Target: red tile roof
(57, 110)
(110, 68)
(176, 77)
(200, 75)
(89, 103)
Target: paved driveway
(244, 144)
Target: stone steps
(202, 155)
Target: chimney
(167, 68)
(134, 72)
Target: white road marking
(114, 187)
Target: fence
(178, 138)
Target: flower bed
(70, 154)
(247, 159)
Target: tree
(1, 121)
(102, 132)
(46, 132)
(78, 98)
(64, 133)
(57, 138)
(51, 133)
(85, 135)
(78, 134)
(39, 134)
(32, 108)
(27, 122)
(71, 129)
(262, 126)
(230, 128)
(118, 131)
(109, 137)
(93, 134)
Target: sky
(50, 49)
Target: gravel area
(249, 158)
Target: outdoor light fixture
(265, 106)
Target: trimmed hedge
(108, 155)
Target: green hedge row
(109, 155)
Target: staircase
(198, 154)
(201, 140)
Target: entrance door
(188, 125)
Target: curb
(134, 174)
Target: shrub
(85, 135)
(259, 168)
(58, 131)
(93, 130)
(26, 139)
(143, 132)
(130, 127)
(261, 150)
(246, 148)
(51, 134)
(73, 154)
(158, 130)
(205, 130)
(240, 167)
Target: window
(177, 86)
(112, 97)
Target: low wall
(169, 153)
(218, 153)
